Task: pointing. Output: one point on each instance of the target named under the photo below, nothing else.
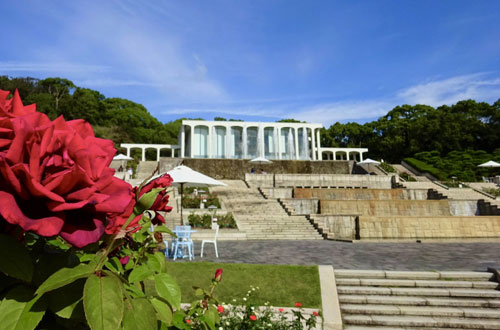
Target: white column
(158, 154)
(334, 156)
(173, 152)
(228, 141)
(296, 143)
(183, 142)
(192, 140)
(262, 151)
(313, 143)
(210, 142)
(128, 151)
(347, 154)
(280, 147)
(318, 141)
(245, 142)
(143, 154)
(360, 156)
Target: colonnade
(144, 147)
(349, 153)
(246, 140)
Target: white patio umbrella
(490, 163)
(122, 157)
(185, 176)
(260, 160)
(369, 161)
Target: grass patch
(280, 285)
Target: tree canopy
(403, 132)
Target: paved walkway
(386, 256)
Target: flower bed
(205, 220)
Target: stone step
(380, 274)
(284, 237)
(486, 313)
(421, 321)
(420, 301)
(436, 292)
(417, 283)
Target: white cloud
(435, 93)
(451, 90)
(50, 67)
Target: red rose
(315, 313)
(298, 304)
(218, 275)
(188, 321)
(124, 260)
(54, 175)
(252, 317)
(116, 221)
(281, 310)
(220, 309)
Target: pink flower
(188, 321)
(281, 310)
(252, 317)
(54, 175)
(218, 275)
(315, 313)
(220, 309)
(124, 260)
(298, 304)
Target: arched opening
(200, 148)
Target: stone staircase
(146, 169)
(261, 218)
(376, 299)
(453, 193)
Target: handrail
(441, 185)
(484, 193)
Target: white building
(247, 140)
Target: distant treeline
(403, 132)
(117, 119)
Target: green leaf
(139, 274)
(163, 229)
(14, 259)
(135, 290)
(163, 310)
(20, 311)
(179, 321)
(139, 315)
(64, 276)
(146, 200)
(156, 262)
(168, 289)
(49, 263)
(115, 265)
(211, 316)
(103, 302)
(198, 292)
(66, 302)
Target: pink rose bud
(124, 260)
(218, 275)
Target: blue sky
(318, 61)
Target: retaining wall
(319, 180)
(402, 228)
(386, 207)
(235, 169)
(362, 194)
(429, 227)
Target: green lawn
(280, 285)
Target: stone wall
(303, 206)
(340, 227)
(428, 227)
(277, 192)
(319, 180)
(386, 207)
(362, 194)
(235, 169)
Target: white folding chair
(214, 241)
